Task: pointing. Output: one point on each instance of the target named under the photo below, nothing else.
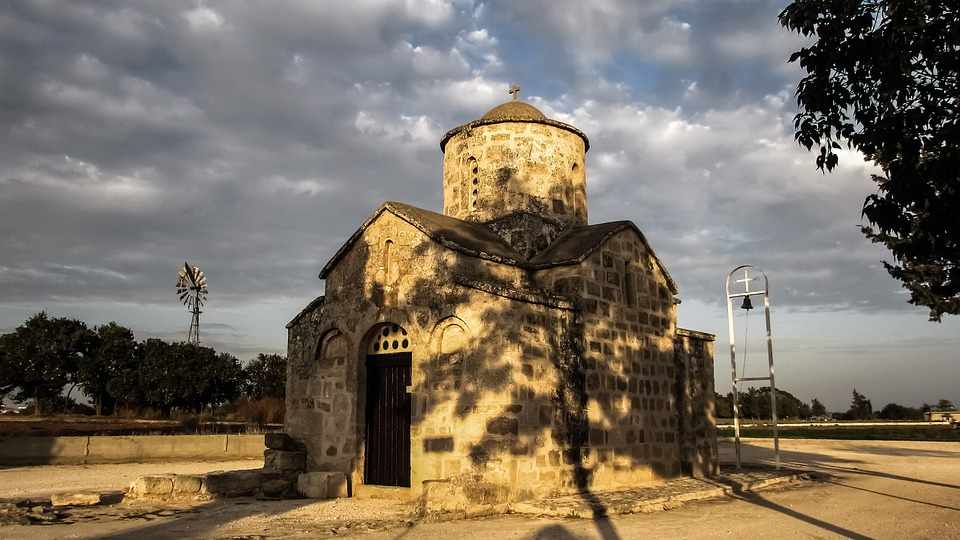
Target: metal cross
(746, 280)
(514, 91)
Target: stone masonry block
(232, 483)
(322, 485)
(187, 484)
(276, 484)
(284, 460)
(280, 441)
(159, 486)
(75, 499)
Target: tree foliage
(860, 407)
(895, 411)
(183, 376)
(45, 356)
(944, 405)
(42, 356)
(114, 351)
(266, 376)
(883, 77)
(755, 403)
(817, 408)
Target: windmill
(192, 290)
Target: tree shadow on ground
(836, 465)
(760, 501)
(903, 452)
(200, 521)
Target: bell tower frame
(746, 294)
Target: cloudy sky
(253, 138)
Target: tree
(883, 76)
(895, 411)
(860, 407)
(817, 408)
(723, 405)
(42, 356)
(944, 405)
(157, 377)
(7, 377)
(224, 380)
(266, 376)
(115, 350)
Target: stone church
(505, 347)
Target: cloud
(253, 138)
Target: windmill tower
(192, 290)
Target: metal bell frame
(746, 294)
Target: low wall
(129, 449)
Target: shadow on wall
(527, 397)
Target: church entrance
(387, 456)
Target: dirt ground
(875, 490)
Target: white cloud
(203, 19)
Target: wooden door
(387, 460)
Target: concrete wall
(128, 449)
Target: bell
(746, 303)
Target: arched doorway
(387, 455)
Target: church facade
(505, 347)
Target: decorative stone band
(696, 334)
(529, 296)
(468, 127)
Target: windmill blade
(190, 275)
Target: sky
(254, 138)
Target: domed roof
(514, 110)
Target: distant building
(942, 416)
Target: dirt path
(43, 480)
(878, 490)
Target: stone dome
(514, 110)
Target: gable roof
(464, 236)
(574, 245)
(477, 240)
(318, 301)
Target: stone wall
(698, 424)
(523, 383)
(629, 320)
(493, 170)
(483, 365)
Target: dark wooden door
(388, 420)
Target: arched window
(473, 186)
(452, 339)
(389, 265)
(332, 351)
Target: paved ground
(877, 490)
(44, 480)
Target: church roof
(477, 240)
(576, 244)
(515, 109)
(464, 236)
